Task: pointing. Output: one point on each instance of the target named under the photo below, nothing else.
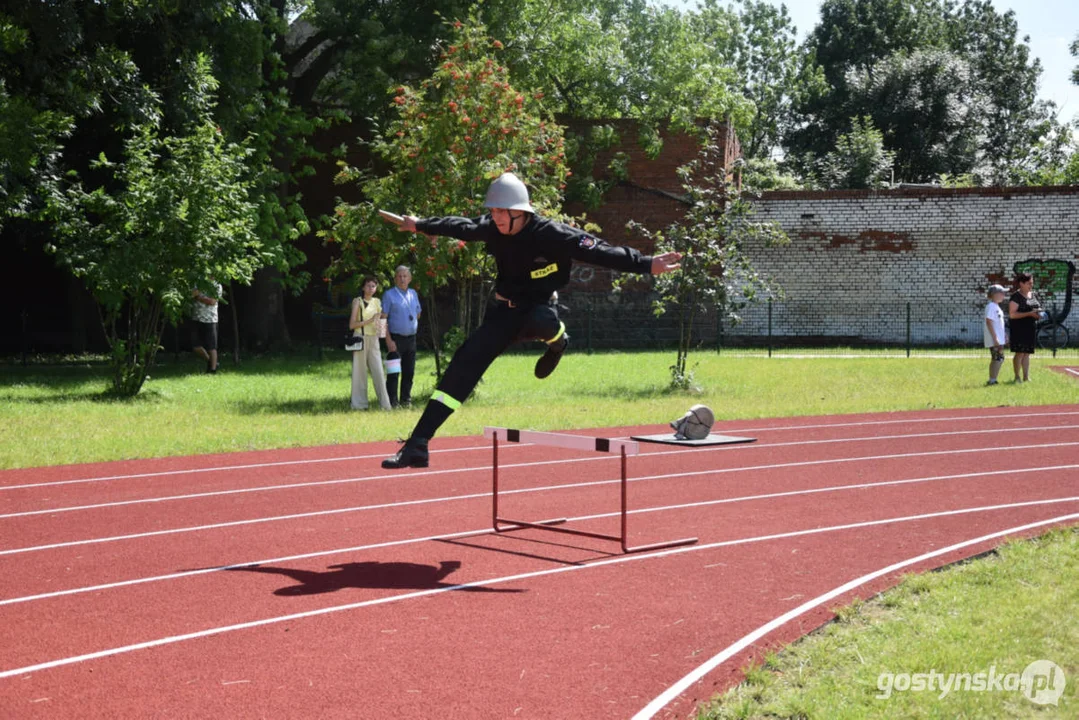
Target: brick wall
(853, 251)
(649, 196)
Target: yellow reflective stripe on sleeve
(544, 272)
(446, 400)
(560, 333)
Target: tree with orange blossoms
(452, 135)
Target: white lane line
(664, 698)
(221, 468)
(900, 421)
(209, 632)
(544, 488)
(228, 468)
(537, 463)
(1072, 371)
(483, 531)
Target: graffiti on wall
(1053, 280)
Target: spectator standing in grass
(1024, 309)
(401, 308)
(364, 321)
(204, 316)
(994, 330)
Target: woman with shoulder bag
(1024, 311)
(364, 321)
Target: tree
(173, 214)
(1074, 48)
(852, 37)
(929, 111)
(459, 129)
(1003, 71)
(51, 79)
(859, 159)
(950, 64)
(609, 59)
(715, 271)
(760, 42)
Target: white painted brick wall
(938, 249)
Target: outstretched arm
(455, 227)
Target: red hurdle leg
(496, 521)
(504, 525)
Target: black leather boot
(549, 360)
(412, 454)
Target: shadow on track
(380, 575)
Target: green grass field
(58, 414)
(1003, 610)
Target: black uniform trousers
(502, 326)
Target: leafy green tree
(716, 272)
(859, 159)
(606, 59)
(51, 80)
(1014, 123)
(759, 41)
(944, 64)
(929, 111)
(453, 133)
(173, 214)
(1074, 48)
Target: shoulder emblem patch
(587, 242)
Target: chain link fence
(598, 321)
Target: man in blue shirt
(401, 308)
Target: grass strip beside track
(997, 613)
(280, 402)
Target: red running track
(312, 583)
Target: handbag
(393, 363)
(353, 343)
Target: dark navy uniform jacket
(537, 260)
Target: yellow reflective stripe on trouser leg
(446, 400)
(560, 333)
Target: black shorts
(204, 335)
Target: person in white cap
(993, 334)
(534, 257)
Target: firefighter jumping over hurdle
(534, 256)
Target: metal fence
(604, 321)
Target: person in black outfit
(1024, 310)
(534, 257)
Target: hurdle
(572, 442)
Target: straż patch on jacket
(587, 242)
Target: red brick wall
(648, 196)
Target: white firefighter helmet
(696, 424)
(509, 193)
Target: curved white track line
(554, 571)
(899, 421)
(682, 685)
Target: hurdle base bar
(502, 524)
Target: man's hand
(407, 223)
(666, 263)
(390, 344)
(404, 223)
